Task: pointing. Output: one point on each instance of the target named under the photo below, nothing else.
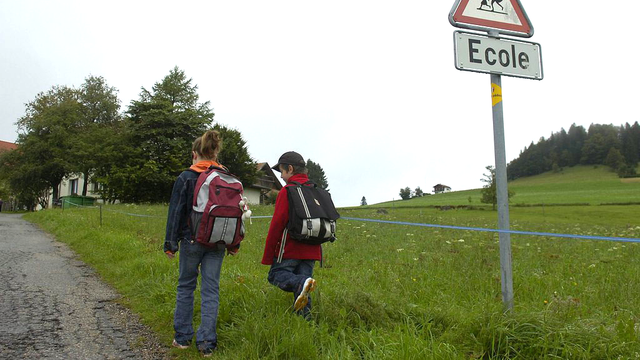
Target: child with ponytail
(193, 255)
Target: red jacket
(292, 248)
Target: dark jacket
(292, 249)
(180, 207)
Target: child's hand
(233, 251)
(170, 255)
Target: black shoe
(206, 348)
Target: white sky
(367, 89)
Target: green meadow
(401, 292)
(575, 185)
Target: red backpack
(216, 219)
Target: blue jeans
(290, 275)
(192, 255)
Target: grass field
(396, 292)
(596, 186)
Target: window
(73, 186)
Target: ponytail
(210, 145)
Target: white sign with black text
(492, 55)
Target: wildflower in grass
(546, 302)
(399, 250)
(448, 242)
(415, 259)
(592, 266)
(461, 240)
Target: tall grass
(395, 292)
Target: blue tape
(515, 232)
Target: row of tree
(407, 193)
(134, 155)
(615, 146)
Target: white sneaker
(303, 298)
(178, 345)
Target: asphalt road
(53, 306)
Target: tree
(100, 108)
(23, 180)
(157, 136)
(46, 136)
(316, 174)
(614, 159)
(418, 192)
(405, 193)
(235, 155)
(489, 192)
(363, 202)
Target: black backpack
(312, 215)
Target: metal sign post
(497, 56)
(502, 191)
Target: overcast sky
(367, 89)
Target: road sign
(499, 56)
(503, 16)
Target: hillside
(592, 185)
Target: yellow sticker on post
(496, 94)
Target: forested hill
(615, 146)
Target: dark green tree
(363, 201)
(405, 194)
(235, 155)
(158, 133)
(46, 136)
(614, 159)
(317, 175)
(100, 108)
(629, 149)
(23, 180)
(418, 192)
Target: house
(441, 189)
(73, 184)
(5, 145)
(266, 182)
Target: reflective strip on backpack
(309, 221)
(224, 229)
(282, 244)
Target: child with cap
(294, 273)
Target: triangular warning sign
(504, 16)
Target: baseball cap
(289, 158)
